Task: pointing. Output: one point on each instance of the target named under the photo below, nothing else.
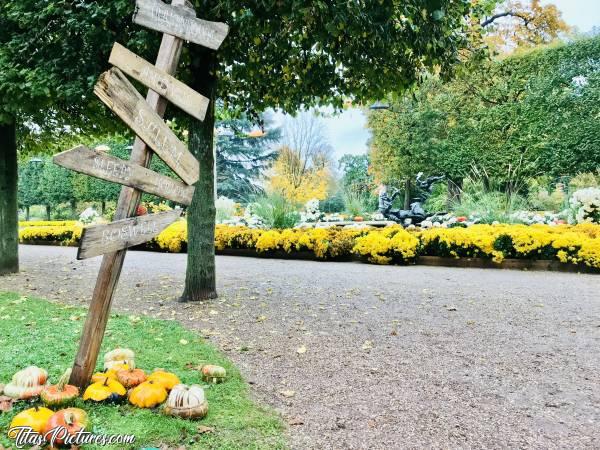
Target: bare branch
(495, 17)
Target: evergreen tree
(242, 157)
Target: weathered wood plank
(100, 239)
(106, 167)
(159, 16)
(158, 80)
(115, 90)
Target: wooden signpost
(178, 22)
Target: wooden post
(112, 263)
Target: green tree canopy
(535, 111)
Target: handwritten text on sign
(115, 90)
(156, 15)
(100, 239)
(106, 167)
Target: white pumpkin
(27, 383)
(118, 357)
(187, 402)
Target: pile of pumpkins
(120, 379)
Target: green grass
(37, 332)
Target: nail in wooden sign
(115, 90)
(106, 167)
(100, 239)
(173, 20)
(159, 81)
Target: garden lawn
(37, 332)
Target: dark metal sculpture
(416, 213)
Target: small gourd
(167, 379)
(130, 378)
(118, 357)
(107, 391)
(148, 394)
(27, 383)
(34, 418)
(187, 402)
(61, 393)
(213, 374)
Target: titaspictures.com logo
(27, 437)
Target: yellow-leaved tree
(302, 169)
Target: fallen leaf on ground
(368, 345)
(301, 350)
(6, 403)
(288, 393)
(204, 429)
(295, 421)
(183, 342)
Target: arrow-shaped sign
(159, 81)
(106, 167)
(100, 239)
(115, 90)
(176, 21)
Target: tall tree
(51, 53)
(243, 154)
(30, 184)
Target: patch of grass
(36, 332)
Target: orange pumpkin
(358, 219)
(61, 393)
(131, 378)
(65, 422)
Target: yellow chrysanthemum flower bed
(573, 244)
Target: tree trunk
(9, 225)
(48, 212)
(407, 194)
(200, 280)
(74, 209)
(103, 207)
(27, 213)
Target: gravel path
(360, 356)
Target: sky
(347, 131)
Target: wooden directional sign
(100, 239)
(115, 90)
(176, 21)
(100, 165)
(159, 81)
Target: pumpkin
(148, 394)
(69, 421)
(107, 391)
(60, 394)
(358, 219)
(111, 374)
(131, 378)
(118, 357)
(26, 383)
(167, 379)
(6, 403)
(34, 418)
(213, 374)
(187, 402)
